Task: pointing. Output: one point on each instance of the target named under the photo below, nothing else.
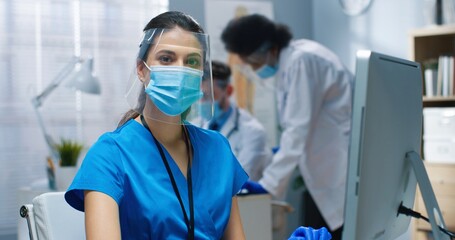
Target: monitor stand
(431, 204)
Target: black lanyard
(190, 222)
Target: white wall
(383, 28)
(294, 13)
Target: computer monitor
(386, 125)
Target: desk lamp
(79, 73)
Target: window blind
(37, 39)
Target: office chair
(49, 217)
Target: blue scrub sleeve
(101, 171)
(241, 177)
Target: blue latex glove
(251, 187)
(308, 233)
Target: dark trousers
(313, 218)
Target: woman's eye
(193, 62)
(165, 59)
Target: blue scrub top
(126, 165)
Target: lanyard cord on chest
(189, 222)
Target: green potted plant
(69, 152)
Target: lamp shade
(84, 80)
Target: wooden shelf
(439, 101)
(430, 43)
(433, 31)
(425, 44)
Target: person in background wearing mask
(155, 177)
(245, 133)
(314, 101)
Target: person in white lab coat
(314, 101)
(246, 135)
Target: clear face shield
(166, 83)
(259, 57)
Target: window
(37, 39)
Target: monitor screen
(386, 124)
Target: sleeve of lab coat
(300, 109)
(253, 153)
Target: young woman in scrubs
(157, 176)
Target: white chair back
(51, 218)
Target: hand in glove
(251, 187)
(308, 233)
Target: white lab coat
(248, 141)
(314, 101)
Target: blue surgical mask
(174, 89)
(266, 71)
(206, 110)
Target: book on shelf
(451, 76)
(431, 77)
(439, 77)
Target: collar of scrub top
(221, 120)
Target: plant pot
(64, 176)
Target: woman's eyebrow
(166, 52)
(195, 54)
